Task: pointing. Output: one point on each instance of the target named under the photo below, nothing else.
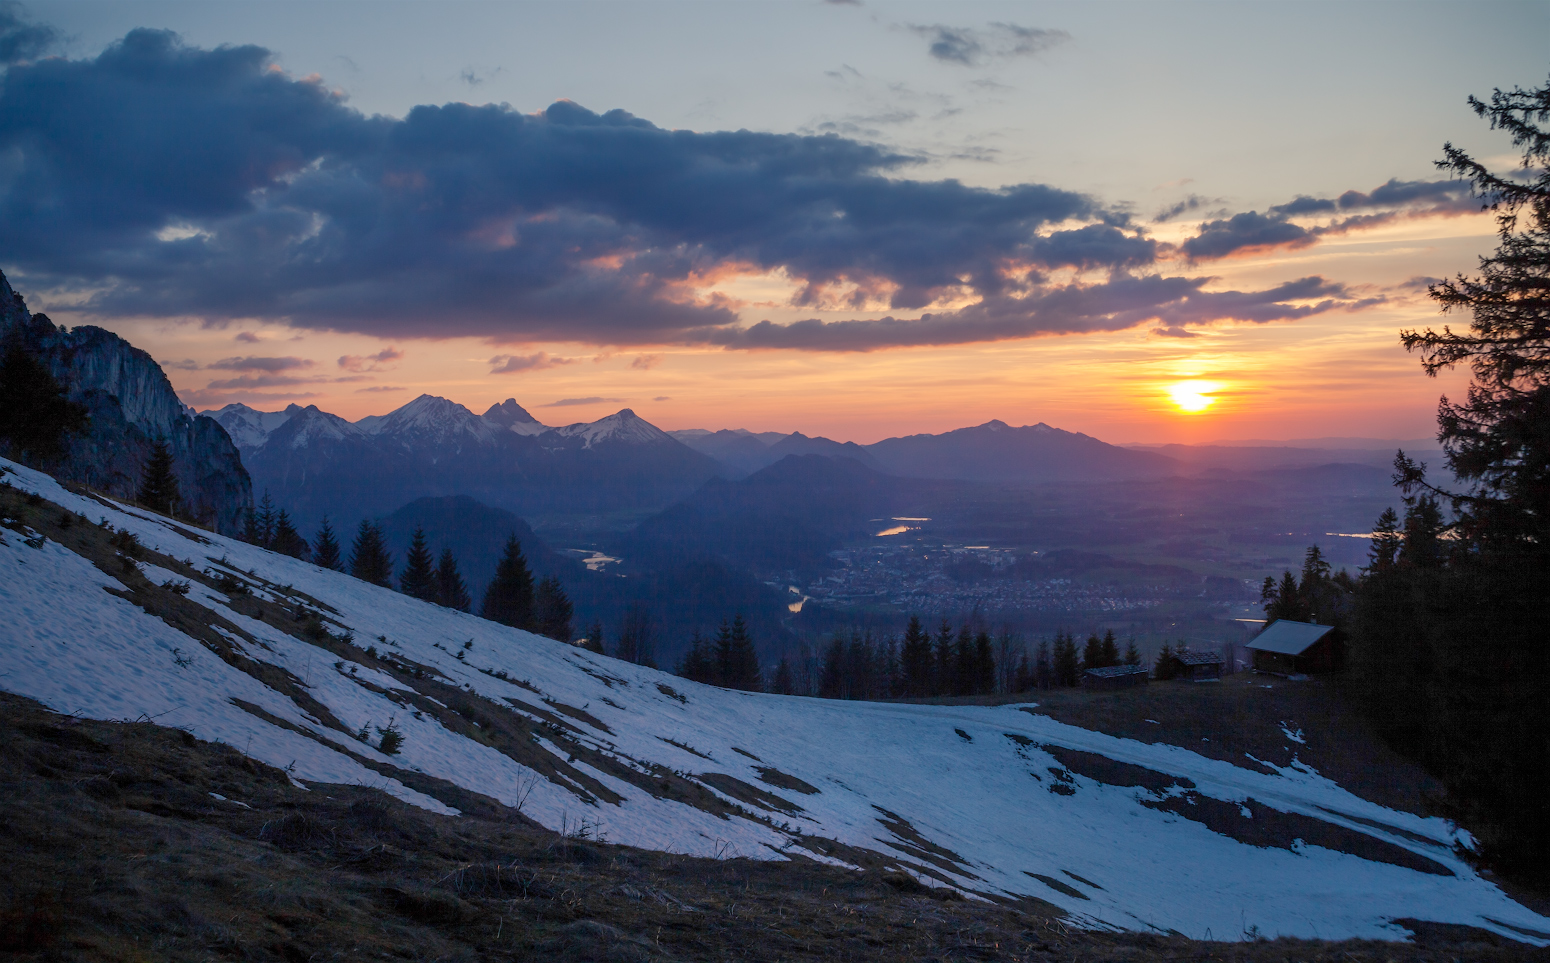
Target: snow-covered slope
(515, 418)
(995, 801)
(430, 422)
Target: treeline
(512, 597)
(965, 661)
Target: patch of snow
(623, 426)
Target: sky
(1158, 222)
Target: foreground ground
(137, 842)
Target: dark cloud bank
(173, 181)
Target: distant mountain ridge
(992, 452)
(316, 463)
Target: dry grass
(116, 849)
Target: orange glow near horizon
(1331, 374)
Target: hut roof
(1191, 657)
(1115, 671)
(1289, 638)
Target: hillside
(304, 670)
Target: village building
(1295, 648)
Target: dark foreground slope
(129, 841)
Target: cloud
(662, 398)
(571, 402)
(972, 47)
(1191, 203)
(186, 364)
(260, 381)
(1120, 303)
(21, 41)
(1250, 231)
(247, 337)
(261, 364)
(370, 362)
(206, 398)
(646, 362)
(378, 388)
(514, 363)
(173, 181)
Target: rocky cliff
(131, 404)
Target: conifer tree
(1109, 653)
(1384, 554)
(1167, 666)
(35, 415)
(451, 592)
(369, 558)
(1043, 666)
(942, 669)
(418, 579)
(1132, 654)
(552, 610)
(636, 643)
(915, 660)
(287, 541)
(325, 548)
(263, 522)
(1067, 668)
(594, 640)
(831, 681)
(784, 682)
(699, 663)
(158, 485)
(964, 670)
(509, 598)
(736, 659)
(1024, 678)
(984, 665)
(1092, 652)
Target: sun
(1193, 396)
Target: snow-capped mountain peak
(623, 426)
(515, 418)
(429, 419)
(248, 427)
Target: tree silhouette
(450, 590)
(287, 541)
(418, 579)
(158, 485)
(369, 557)
(35, 415)
(509, 597)
(552, 610)
(325, 548)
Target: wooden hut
(1115, 677)
(1197, 666)
(1296, 648)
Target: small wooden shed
(1197, 666)
(1296, 648)
(1115, 677)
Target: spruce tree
(158, 485)
(1384, 554)
(784, 682)
(1109, 653)
(552, 610)
(915, 659)
(1167, 666)
(737, 662)
(35, 415)
(418, 579)
(263, 522)
(325, 547)
(594, 640)
(450, 590)
(942, 667)
(699, 663)
(1044, 667)
(1092, 652)
(1132, 654)
(369, 558)
(1067, 665)
(963, 663)
(287, 541)
(831, 680)
(509, 598)
(984, 665)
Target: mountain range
(316, 463)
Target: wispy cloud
(381, 361)
(572, 402)
(518, 363)
(973, 47)
(261, 364)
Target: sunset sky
(1148, 222)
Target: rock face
(131, 403)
